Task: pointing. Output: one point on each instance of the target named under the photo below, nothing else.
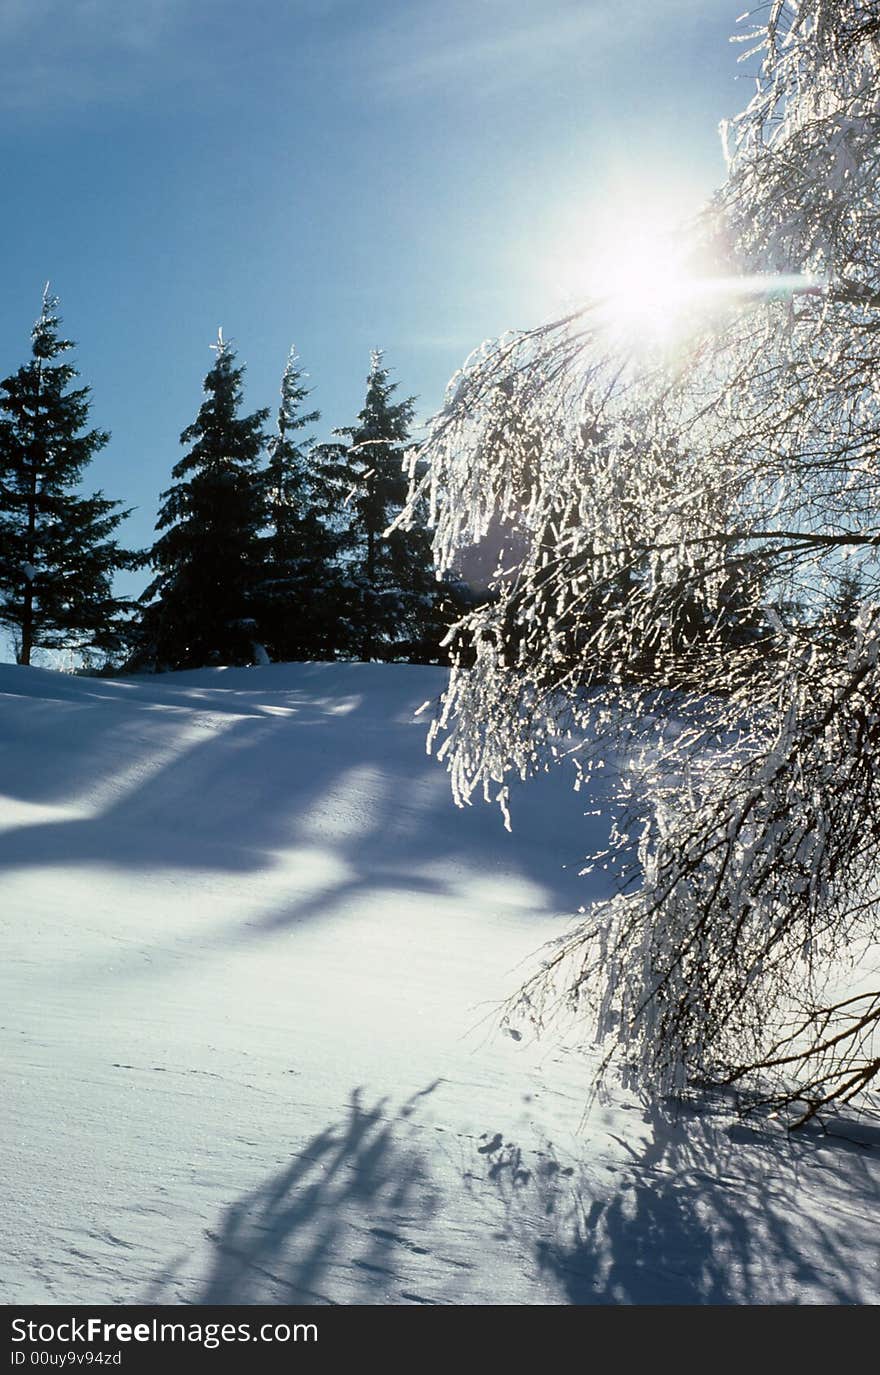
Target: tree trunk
(27, 627)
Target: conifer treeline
(270, 545)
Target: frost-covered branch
(683, 545)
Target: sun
(627, 259)
(638, 279)
(642, 280)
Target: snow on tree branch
(684, 545)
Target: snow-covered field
(251, 955)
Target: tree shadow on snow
(700, 1211)
(182, 778)
(340, 1223)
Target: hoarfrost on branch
(685, 538)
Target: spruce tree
(57, 554)
(202, 605)
(394, 598)
(306, 490)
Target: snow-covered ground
(252, 953)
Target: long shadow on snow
(697, 1211)
(332, 1225)
(198, 810)
(62, 736)
(704, 1213)
(347, 775)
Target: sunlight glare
(627, 254)
(640, 283)
(629, 259)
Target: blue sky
(416, 175)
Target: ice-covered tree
(729, 460)
(306, 483)
(57, 548)
(202, 606)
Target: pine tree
(202, 604)
(395, 600)
(57, 557)
(306, 488)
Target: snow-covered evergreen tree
(202, 606)
(732, 469)
(302, 598)
(57, 551)
(394, 597)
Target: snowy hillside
(250, 952)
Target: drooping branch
(684, 545)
